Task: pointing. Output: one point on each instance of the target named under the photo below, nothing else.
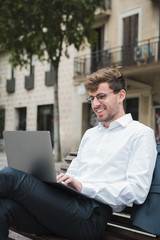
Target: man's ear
(122, 95)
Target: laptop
(31, 152)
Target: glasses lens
(101, 97)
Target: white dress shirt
(115, 164)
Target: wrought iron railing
(141, 52)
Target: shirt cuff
(88, 191)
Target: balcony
(29, 82)
(10, 86)
(134, 54)
(49, 78)
(103, 13)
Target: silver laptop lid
(31, 152)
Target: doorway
(21, 118)
(130, 39)
(45, 119)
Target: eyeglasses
(101, 97)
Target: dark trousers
(32, 206)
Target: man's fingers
(60, 176)
(67, 180)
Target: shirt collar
(122, 121)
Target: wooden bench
(119, 228)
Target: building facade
(27, 98)
(128, 36)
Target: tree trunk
(56, 133)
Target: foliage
(46, 28)
(30, 27)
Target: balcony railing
(29, 82)
(49, 78)
(133, 54)
(10, 85)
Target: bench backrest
(147, 215)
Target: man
(113, 168)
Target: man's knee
(9, 181)
(8, 173)
(5, 173)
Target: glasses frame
(91, 98)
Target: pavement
(3, 160)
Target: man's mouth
(99, 110)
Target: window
(130, 38)
(132, 106)
(96, 54)
(2, 121)
(45, 119)
(21, 118)
(157, 124)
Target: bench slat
(69, 159)
(64, 167)
(15, 235)
(121, 220)
(73, 153)
(125, 234)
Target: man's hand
(71, 182)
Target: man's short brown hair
(110, 75)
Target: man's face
(109, 109)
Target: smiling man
(113, 168)
(116, 159)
